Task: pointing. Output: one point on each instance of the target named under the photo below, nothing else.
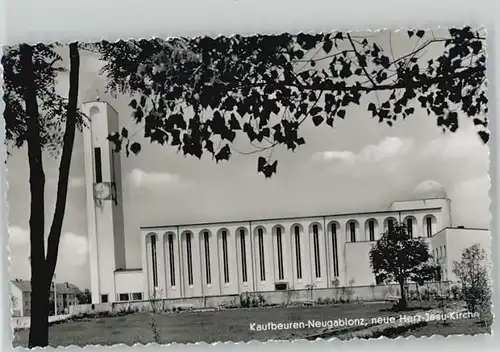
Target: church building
(231, 257)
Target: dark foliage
(200, 94)
(52, 106)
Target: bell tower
(103, 187)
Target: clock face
(102, 190)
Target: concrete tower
(104, 200)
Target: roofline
(99, 101)
(127, 269)
(288, 218)
(461, 228)
(416, 199)
(70, 285)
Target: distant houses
(67, 294)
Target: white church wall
(115, 175)
(129, 282)
(226, 253)
(190, 264)
(244, 255)
(358, 264)
(331, 266)
(299, 269)
(458, 239)
(171, 266)
(420, 206)
(439, 251)
(95, 272)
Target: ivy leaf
(327, 45)
(135, 148)
(124, 133)
(234, 123)
(315, 110)
(485, 136)
(223, 154)
(317, 120)
(420, 33)
(261, 163)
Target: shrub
(474, 277)
(456, 292)
(426, 295)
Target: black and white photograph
(289, 186)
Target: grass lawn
(455, 327)
(225, 325)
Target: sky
(357, 165)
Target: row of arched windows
(352, 233)
(371, 227)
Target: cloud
(389, 147)
(471, 202)
(73, 256)
(18, 237)
(334, 155)
(459, 161)
(159, 181)
(464, 143)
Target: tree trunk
(65, 163)
(39, 325)
(42, 268)
(402, 301)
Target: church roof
(292, 218)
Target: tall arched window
(428, 224)
(154, 261)
(262, 263)
(298, 256)
(171, 259)
(409, 226)
(244, 274)
(390, 224)
(371, 230)
(279, 245)
(206, 242)
(225, 260)
(317, 261)
(334, 247)
(352, 231)
(189, 257)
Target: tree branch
(362, 66)
(65, 163)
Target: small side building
(66, 295)
(449, 244)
